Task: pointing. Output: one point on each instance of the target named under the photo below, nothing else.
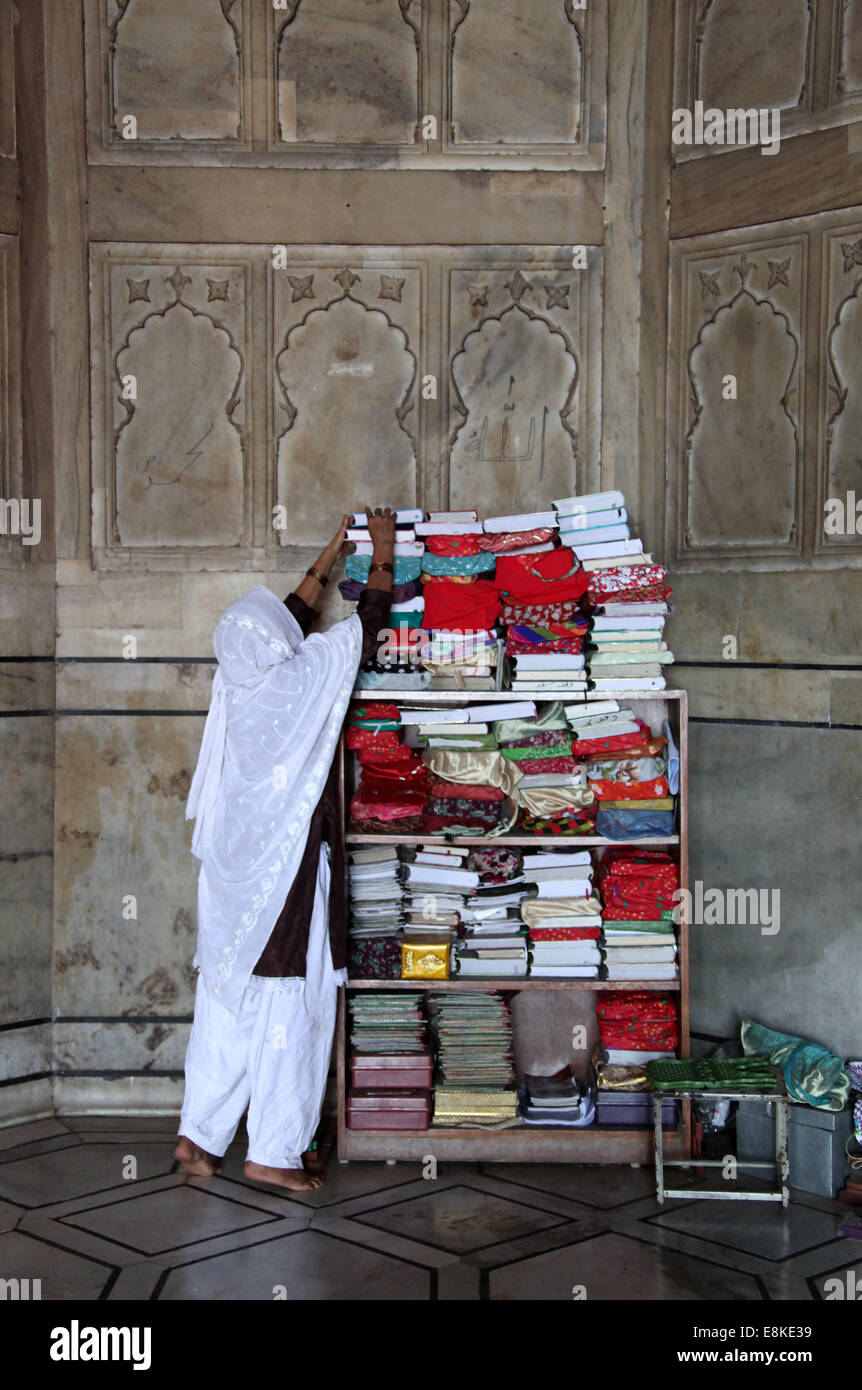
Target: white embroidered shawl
(275, 714)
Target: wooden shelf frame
(596, 1144)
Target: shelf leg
(782, 1165)
(659, 1153)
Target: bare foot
(295, 1178)
(194, 1161)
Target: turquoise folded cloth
(454, 565)
(407, 568)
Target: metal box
(816, 1143)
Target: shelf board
(491, 697)
(491, 982)
(524, 1144)
(558, 841)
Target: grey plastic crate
(816, 1143)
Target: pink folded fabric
(502, 541)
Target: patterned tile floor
(96, 1209)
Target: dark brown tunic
(284, 953)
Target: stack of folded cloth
(564, 917)
(385, 1024)
(604, 732)
(375, 899)
(460, 597)
(437, 885)
(565, 940)
(551, 792)
(493, 941)
(465, 808)
(548, 653)
(396, 665)
(392, 790)
(474, 1058)
(628, 776)
(626, 593)
(460, 660)
(541, 594)
(636, 1028)
(469, 784)
(638, 895)
(560, 1101)
(626, 649)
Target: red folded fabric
(543, 613)
(538, 766)
(382, 740)
(471, 790)
(400, 754)
(654, 790)
(498, 542)
(637, 1004)
(462, 607)
(620, 581)
(375, 710)
(565, 933)
(551, 577)
(454, 545)
(412, 770)
(583, 747)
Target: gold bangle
(315, 574)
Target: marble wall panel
(734, 55)
(122, 784)
(801, 616)
(736, 414)
(493, 41)
(26, 867)
(180, 69)
(348, 335)
(803, 57)
(348, 83)
(231, 380)
(764, 830)
(120, 1047)
(523, 378)
(348, 72)
(171, 397)
(847, 53)
(840, 426)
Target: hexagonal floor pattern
(95, 1208)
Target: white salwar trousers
(273, 1057)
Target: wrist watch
(314, 573)
(381, 566)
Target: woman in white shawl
(268, 980)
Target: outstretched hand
(381, 526)
(338, 545)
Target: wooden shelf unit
(598, 1144)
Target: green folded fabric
(633, 926)
(556, 750)
(551, 717)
